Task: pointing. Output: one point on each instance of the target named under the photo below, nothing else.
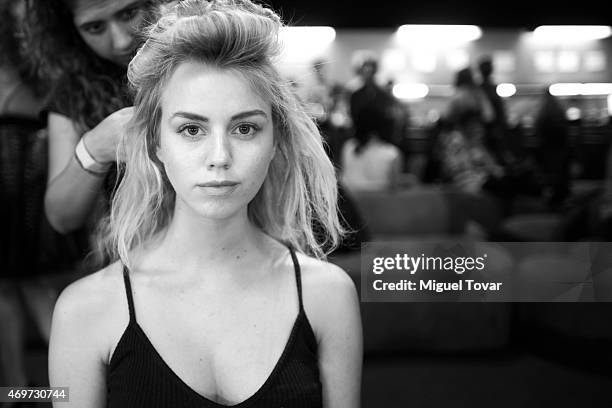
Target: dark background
(385, 14)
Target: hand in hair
(102, 140)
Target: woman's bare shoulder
(321, 273)
(329, 294)
(93, 303)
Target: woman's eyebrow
(189, 115)
(254, 112)
(238, 116)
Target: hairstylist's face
(216, 140)
(108, 27)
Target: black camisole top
(137, 376)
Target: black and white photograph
(245, 203)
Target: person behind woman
(81, 49)
(21, 187)
(219, 295)
(369, 161)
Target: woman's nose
(219, 155)
(122, 37)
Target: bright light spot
(573, 89)
(561, 34)
(304, 43)
(505, 90)
(410, 91)
(573, 113)
(424, 61)
(437, 34)
(597, 89)
(610, 105)
(565, 89)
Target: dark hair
(464, 77)
(485, 66)
(82, 85)
(11, 48)
(369, 121)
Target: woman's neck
(192, 242)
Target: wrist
(94, 149)
(87, 161)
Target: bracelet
(87, 162)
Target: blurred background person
(467, 163)
(369, 161)
(35, 261)
(320, 103)
(496, 124)
(82, 49)
(369, 93)
(552, 131)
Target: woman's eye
(190, 130)
(246, 129)
(94, 28)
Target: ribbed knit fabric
(138, 377)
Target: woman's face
(108, 27)
(216, 140)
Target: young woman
(219, 296)
(82, 48)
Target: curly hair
(82, 85)
(300, 189)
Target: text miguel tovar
(434, 286)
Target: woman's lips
(219, 188)
(219, 183)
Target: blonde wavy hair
(297, 203)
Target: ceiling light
(437, 34)
(410, 91)
(570, 33)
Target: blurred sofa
(401, 219)
(429, 213)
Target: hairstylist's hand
(102, 140)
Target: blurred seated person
(369, 161)
(466, 161)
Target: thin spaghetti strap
(128, 292)
(298, 277)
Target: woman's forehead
(90, 10)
